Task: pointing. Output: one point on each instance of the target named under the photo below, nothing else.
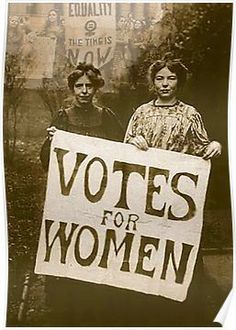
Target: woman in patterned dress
(166, 122)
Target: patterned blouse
(178, 127)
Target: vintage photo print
(116, 163)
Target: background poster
(207, 56)
(90, 32)
(38, 66)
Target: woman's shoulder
(104, 111)
(187, 109)
(61, 116)
(111, 123)
(62, 112)
(144, 108)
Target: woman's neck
(53, 24)
(163, 102)
(84, 107)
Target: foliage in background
(196, 33)
(14, 86)
(199, 34)
(54, 91)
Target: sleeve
(197, 137)
(134, 127)
(112, 125)
(42, 32)
(59, 121)
(45, 153)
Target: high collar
(155, 103)
(85, 108)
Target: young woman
(170, 124)
(166, 122)
(15, 36)
(54, 29)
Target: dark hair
(93, 74)
(175, 66)
(58, 17)
(16, 18)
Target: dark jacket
(96, 121)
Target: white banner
(123, 217)
(90, 32)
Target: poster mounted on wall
(90, 32)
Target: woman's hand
(213, 150)
(51, 131)
(139, 142)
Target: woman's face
(84, 90)
(14, 22)
(137, 25)
(31, 37)
(165, 83)
(153, 21)
(52, 16)
(121, 22)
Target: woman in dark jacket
(70, 302)
(83, 116)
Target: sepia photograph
(116, 164)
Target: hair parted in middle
(93, 74)
(174, 65)
(58, 17)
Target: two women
(165, 123)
